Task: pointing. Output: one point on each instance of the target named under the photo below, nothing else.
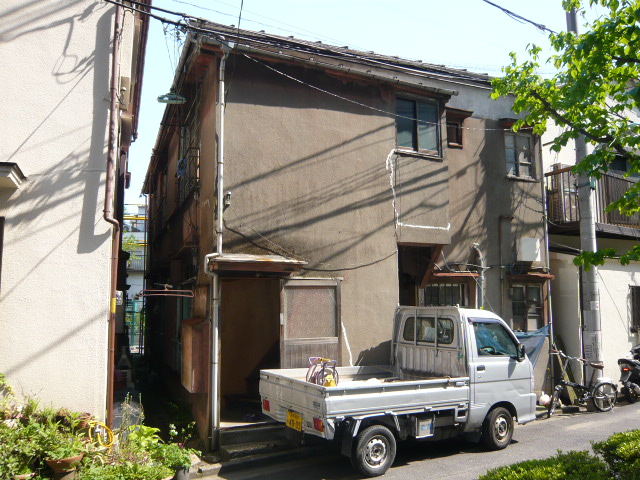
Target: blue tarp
(533, 342)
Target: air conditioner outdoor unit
(529, 250)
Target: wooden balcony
(564, 213)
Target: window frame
(634, 308)
(455, 138)
(415, 133)
(415, 324)
(463, 287)
(492, 327)
(455, 118)
(515, 157)
(540, 307)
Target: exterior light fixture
(172, 98)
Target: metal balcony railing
(562, 198)
(136, 262)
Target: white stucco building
(68, 114)
(618, 285)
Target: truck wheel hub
(376, 451)
(501, 428)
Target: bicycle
(322, 371)
(603, 394)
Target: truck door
(497, 373)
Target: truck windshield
(493, 339)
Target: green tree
(594, 93)
(130, 244)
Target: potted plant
(19, 453)
(177, 457)
(62, 451)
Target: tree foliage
(595, 93)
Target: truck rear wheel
(374, 451)
(497, 429)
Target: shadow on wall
(32, 16)
(378, 355)
(81, 167)
(78, 150)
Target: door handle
(480, 368)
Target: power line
(218, 36)
(520, 18)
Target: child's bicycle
(602, 393)
(322, 371)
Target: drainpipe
(112, 156)
(476, 248)
(216, 287)
(501, 219)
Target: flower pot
(182, 473)
(64, 464)
(24, 476)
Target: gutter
(108, 207)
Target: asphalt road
(457, 460)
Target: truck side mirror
(520, 352)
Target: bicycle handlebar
(564, 355)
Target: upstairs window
(418, 126)
(634, 292)
(455, 126)
(519, 154)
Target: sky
(468, 34)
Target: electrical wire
(520, 18)
(299, 30)
(293, 255)
(217, 35)
(355, 102)
(213, 32)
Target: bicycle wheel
(604, 396)
(554, 403)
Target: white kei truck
(454, 371)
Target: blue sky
(468, 34)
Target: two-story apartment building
(301, 191)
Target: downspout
(216, 289)
(501, 219)
(476, 248)
(112, 156)
(545, 219)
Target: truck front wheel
(497, 429)
(374, 451)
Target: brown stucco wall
(308, 172)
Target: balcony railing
(136, 262)
(562, 198)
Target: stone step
(253, 449)
(257, 433)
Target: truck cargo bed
(361, 392)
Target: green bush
(621, 451)
(127, 470)
(29, 435)
(564, 466)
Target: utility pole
(591, 324)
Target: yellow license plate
(294, 420)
